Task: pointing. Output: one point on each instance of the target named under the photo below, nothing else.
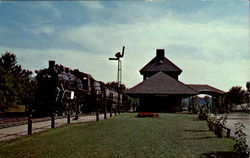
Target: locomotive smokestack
(52, 64)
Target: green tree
(16, 84)
(193, 104)
(248, 86)
(207, 101)
(248, 92)
(114, 85)
(8, 95)
(236, 95)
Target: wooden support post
(77, 112)
(228, 133)
(97, 110)
(68, 117)
(30, 115)
(97, 116)
(110, 111)
(30, 122)
(105, 111)
(53, 120)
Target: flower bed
(147, 114)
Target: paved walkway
(241, 117)
(21, 130)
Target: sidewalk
(21, 130)
(234, 118)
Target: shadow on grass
(220, 154)
(195, 130)
(146, 117)
(196, 119)
(208, 137)
(238, 118)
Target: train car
(111, 98)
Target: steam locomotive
(63, 90)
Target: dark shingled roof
(161, 83)
(158, 64)
(204, 88)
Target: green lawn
(171, 135)
(16, 108)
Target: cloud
(95, 64)
(210, 38)
(2, 29)
(209, 50)
(220, 75)
(36, 13)
(92, 5)
(199, 46)
(48, 30)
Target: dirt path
(241, 117)
(21, 130)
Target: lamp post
(119, 55)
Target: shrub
(210, 121)
(216, 123)
(240, 141)
(202, 114)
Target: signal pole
(118, 55)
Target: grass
(170, 135)
(16, 108)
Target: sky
(207, 39)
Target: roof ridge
(208, 86)
(169, 85)
(167, 62)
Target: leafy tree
(16, 84)
(8, 95)
(248, 86)
(248, 92)
(193, 104)
(207, 101)
(236, 95)
(114, 85)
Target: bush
(216, 123)
(240, 141)
(202, 114)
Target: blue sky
(208, 40)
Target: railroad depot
(161, 90)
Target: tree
(236, 95)
(248, 86)
(207, 102)
(8, 96)
(114, 85)
(16, 84)
(248, 92)
(193, 104)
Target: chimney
(52, 64)
(160, 53)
